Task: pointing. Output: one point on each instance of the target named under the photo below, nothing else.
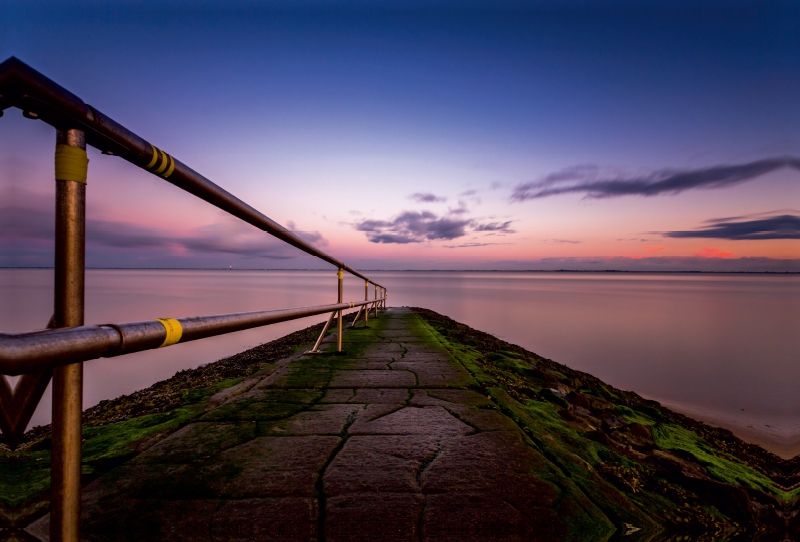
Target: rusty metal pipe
(70, 251)
(340, 288)
(27, 352)
(29, 90)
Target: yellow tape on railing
(164, 162)
(339, 274)
(171, 167)
(167, 163)
(155, 157)
(71, 164)
(174, 331)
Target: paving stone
(464, 397)
(199, 440)
(474, 464)
(374, 411)
(270, 467)
(435, 373)
(380, 464)
(151, 519)
(336, 395)
(320, 420)
(391, 396)
(429, 356)
(469, 517)
(373, 517)
(246, 520)
(373, 379)
(370, 364)
(410, 421)
(269, 404)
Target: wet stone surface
(387, 441)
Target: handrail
(39, 97)
(46, 349)
(59, 352)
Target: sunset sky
(421, 135)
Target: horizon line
(661, 272)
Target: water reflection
(721, 347)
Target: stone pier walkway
(388, 442)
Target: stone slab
(373, 379)
(328, 419)
(270, 467)
(373, 517)
(380, 464)
(412, 421)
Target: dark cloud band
(786, 226)
(31, 218)
(588, 181)
(420, 226)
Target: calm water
(722, 347)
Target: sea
(722, 348)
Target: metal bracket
(315, 350)
(18, 405)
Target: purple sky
(401, 135)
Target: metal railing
(58, 351)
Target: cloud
(563, 241)
(468, 193)
(426, 197)
(420, 226)
(494, 226)
(776, 226)
(589, 181)
(413, 227)
(655, 264)
(460, 210)
(472, 245)
(27, 219)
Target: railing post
(366, 307)
(70, 253)
(376, 301)
(340, 276)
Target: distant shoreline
(591, 271)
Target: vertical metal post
(376, 301)
(340, 276)
(366, 307)
(69, 296)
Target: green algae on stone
(619, 450)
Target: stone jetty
(385, 441)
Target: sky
(586, 135)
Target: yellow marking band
(155, 157)
(339, 274)
(171, 167)
(164, 162)
(71, 164)
(174, 331)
